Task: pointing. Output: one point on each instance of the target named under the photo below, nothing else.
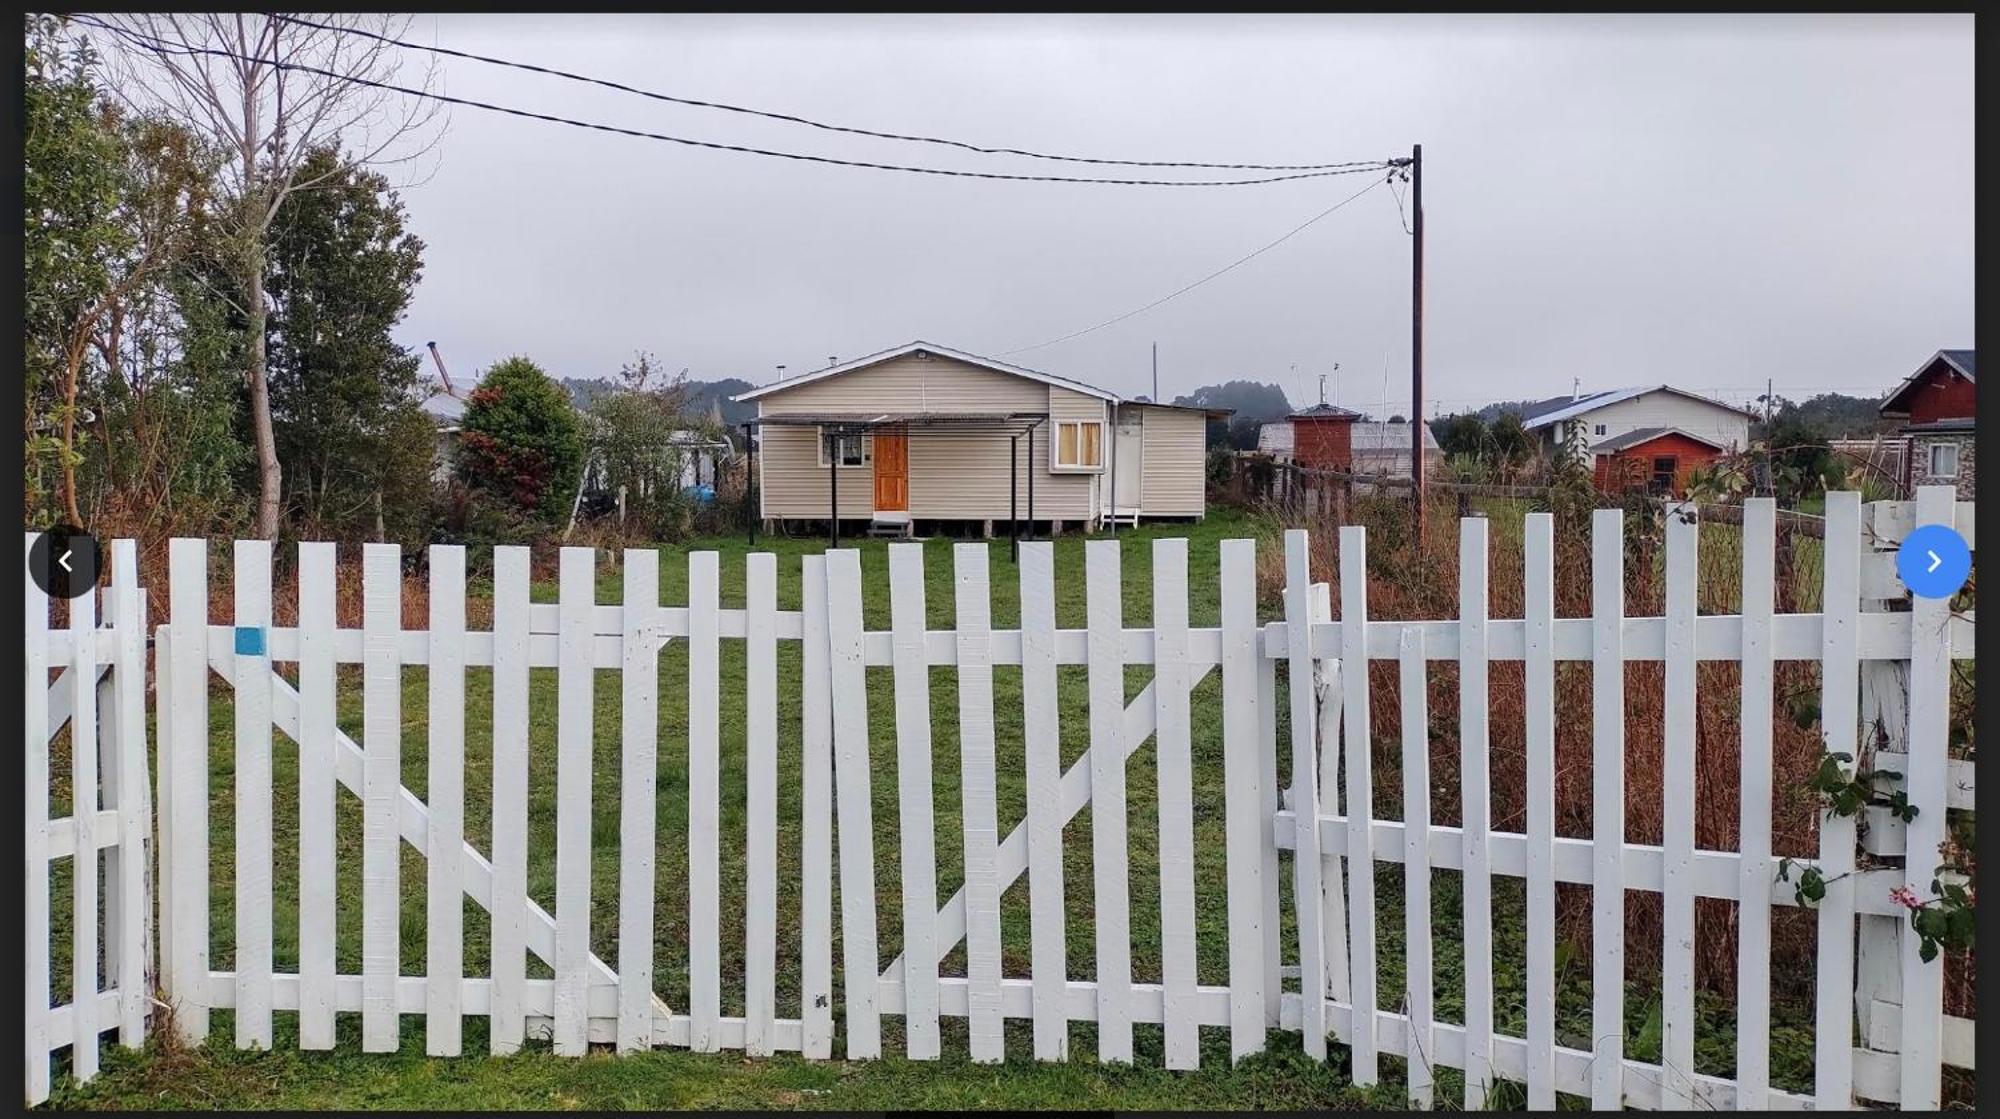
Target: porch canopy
(835, 425)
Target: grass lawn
(218, 1076)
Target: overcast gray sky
(1706, 200)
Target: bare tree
(267, 89)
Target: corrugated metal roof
(1592, 403)
(1383, 435)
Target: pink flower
(1905, 897)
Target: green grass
(216, 1075)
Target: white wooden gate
(1321, 982)
(99, 695)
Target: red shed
(1659, 459)
(1323, 437)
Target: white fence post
(1607, 862)
(849, 684)
(638, 778)
(816, 806)
(912, 678)
(382, 780)
(444, 893)
(509, 910)
(1105, 616)
(1753, 916)
(1041, 732)
(251, 578)
(979, 813)
(1417, 869)
(704, 804)
(1930, 712)
(1833, 1029)
(760, 724)
(1246, 803)
(1475, 801)
(35, 818)
(1175, 775)
(1539, 725)
(1307, 902)
(187, 974)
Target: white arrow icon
(63, 562)
(1935, 560)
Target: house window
(1600, 429)
(852, 450)
(1079, 445)
(1664, 469)
(1944, 460)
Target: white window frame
(1931, 459)
(867, 450)
(1056, 465)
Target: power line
(1212, 275)
(810, 123)
(159, 46)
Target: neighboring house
(1339, 439)
(446, 408)
(1652, 435)
(926, 434)
(1937, 404)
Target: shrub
(520, 440)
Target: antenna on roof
(439, 358)
(1576, 388)
(831, 361)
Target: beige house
(927, 435)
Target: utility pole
(1767, 406)
(1417, 337)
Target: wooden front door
(892, 470)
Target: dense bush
(521, 441)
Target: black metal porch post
(1014, 497)
(1031, 479)
(833, 491)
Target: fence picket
(816, 825)
(1677, 828)
(760, 926)
(84, 1008)
(1041, 731)
(1104, 614)
(848, 681)
(1243, 798)
(1417, 869)
(1306, 892)
(510, 798)
(914, 800)
(639, 736)
(1753, 918)
(1539, 721)
(1475, 781)
(1840, 683)
(1357, 757)
(444, 892)
(382, 780)
(979, 812)
(35, 1029)
(1269, 801)
(128, 914)
(318, 898)
(1607, 772)
(576, 594)
(187, 988)
(704, 804)
(1332, 879)
(1919, 1073)
(1176, 805)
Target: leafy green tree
(113, 204)
(342, 272)
(521, 440)
(1461, 434)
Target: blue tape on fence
(250, 641)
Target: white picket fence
(99, 694)
(1323, 983)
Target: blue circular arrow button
(1934, 561)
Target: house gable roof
(1592, 403)
(1958, 362)
(1641, 436)
(931, 348)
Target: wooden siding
(1174, 482)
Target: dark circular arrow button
(64, 562)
